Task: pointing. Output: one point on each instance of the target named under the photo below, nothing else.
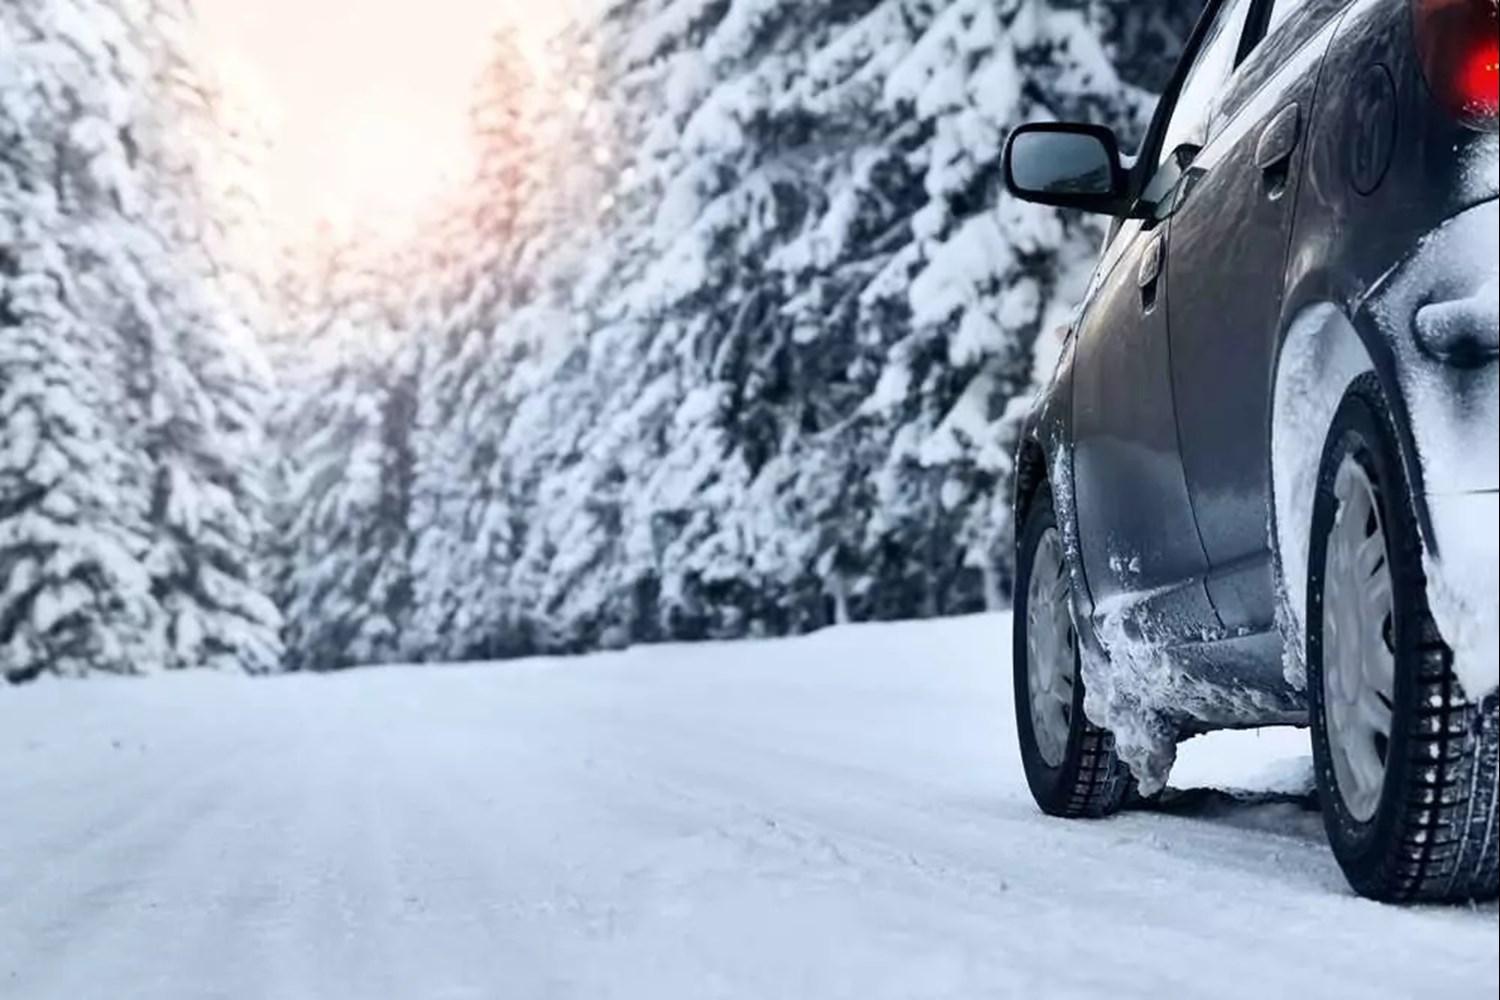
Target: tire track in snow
(81, 902)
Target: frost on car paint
(1321, 357)
(1444, 299)
(1461, 331)
(1438, 310)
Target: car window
(1205, 81)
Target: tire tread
(1442, 845)
(1102, 782)
(1091, 782)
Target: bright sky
(366, 99)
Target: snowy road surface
(836, 817)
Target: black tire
(1433, 833)
(1090, 782)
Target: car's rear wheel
(1406, 765)
(1070, 764)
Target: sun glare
(365, 102)
(384, 166)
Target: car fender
(1320, 357)
(1046, 453)
(1445, 414)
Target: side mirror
(1067, 166)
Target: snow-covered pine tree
(460, 520)
(75, 596)
(980, 278)
(780, 385)
(848, 303)
(190, 300)
(403, 432)
(512, 314)
(897, 312)
(128, 506)
(345, 427)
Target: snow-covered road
(840, 816)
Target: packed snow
(841, 816)
(1320, 358)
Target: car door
(1137, 532)
(1229, 233)
(1135, 516)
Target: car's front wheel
(1406, 764)
(1071, 765)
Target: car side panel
(1398, 211)
(1230, 231)
(1049, 433)
(1422, 169)
(1379, 120)
(1138, 539)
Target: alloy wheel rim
(1051, 650)
(1359, 658)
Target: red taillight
(1480, 80)
(1459, 42)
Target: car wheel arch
(1322, 354)
(1031, 475)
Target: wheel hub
(1051, 650)
(1359, 660)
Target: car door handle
(1149, 275)
(1278, 143)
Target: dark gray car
(1261, 486)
